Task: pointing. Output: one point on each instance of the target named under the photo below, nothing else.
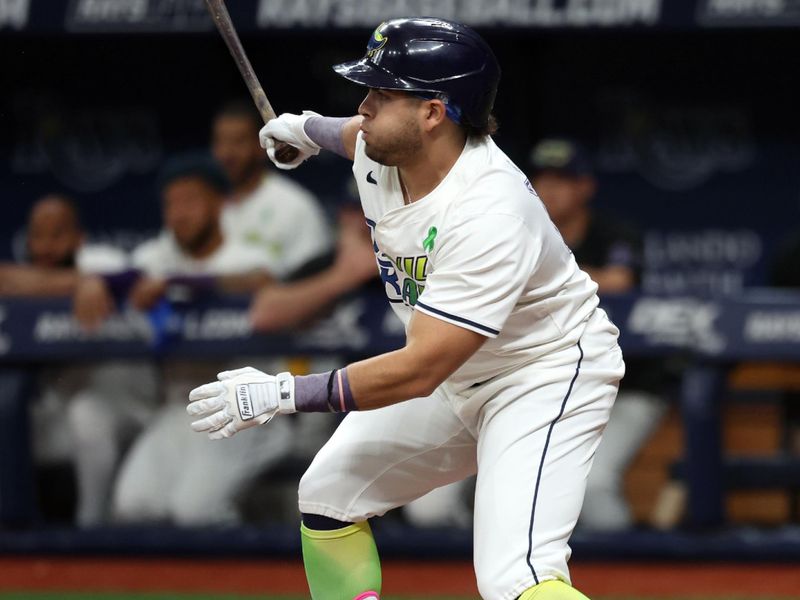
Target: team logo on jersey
(386, 269)
(376, 44)
(416, 270)
(403, 277)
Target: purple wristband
(323, 392)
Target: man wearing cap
(509, 369)
(611, 253)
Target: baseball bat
(222, 19)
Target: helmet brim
(367, 73)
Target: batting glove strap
(286, 404)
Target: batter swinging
(509, 370)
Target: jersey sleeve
(480, 272)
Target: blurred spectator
(165, 475)
(610, 252)
(56, 253)
(265, 209)
(85, 414)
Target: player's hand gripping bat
(219, 12)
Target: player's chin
(380, 157)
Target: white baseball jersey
(281, 219)
(480, 252)
(162, 257)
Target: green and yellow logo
(416, 270)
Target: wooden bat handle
(222, 19)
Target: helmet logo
(376, 44)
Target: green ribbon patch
(427, 243)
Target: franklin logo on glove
(245, 406)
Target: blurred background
(146, 244)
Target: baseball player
(509, 368)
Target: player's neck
(421, 176)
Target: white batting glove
(289, 128)
(240, 399)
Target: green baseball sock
(341, 564)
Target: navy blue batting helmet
(431, 56)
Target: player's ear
(435, 113)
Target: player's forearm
(391, 378)
(434, 350)
(290, 305)
(336, 134)
(17, 280)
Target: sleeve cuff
(457, 320)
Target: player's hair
(490, 128)
(240, 108)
